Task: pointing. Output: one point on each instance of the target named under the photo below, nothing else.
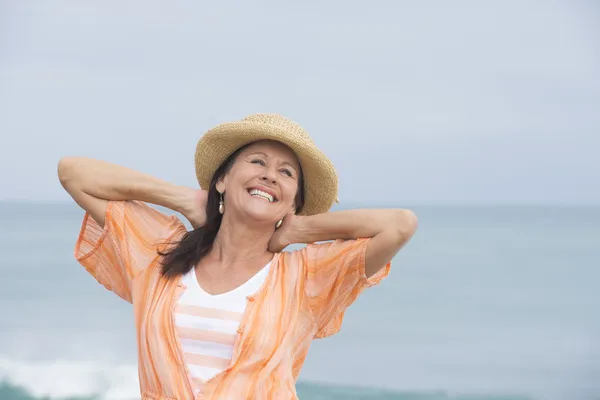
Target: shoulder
(314, 258)
(335, 251)
(320, 251)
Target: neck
(237, 242)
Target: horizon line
(374, 203)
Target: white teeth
(264, 195)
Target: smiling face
(263, 183)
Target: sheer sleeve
(335, 278)
(128, 243)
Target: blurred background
(482, 117)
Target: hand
(195, 207)
(282, 236)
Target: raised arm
(389, 230)
(92, 183)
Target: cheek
(236, 178)
(290, 190)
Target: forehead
(273, 149)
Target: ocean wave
(75, 380)
(65, 379)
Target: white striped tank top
(207, 324)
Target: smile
(262, 195)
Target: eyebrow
(266, 156)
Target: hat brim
(320, 178)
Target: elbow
(405, 224)
(65, 170)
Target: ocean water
(485, 303)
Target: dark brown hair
(183, 255)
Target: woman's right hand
(194, 209)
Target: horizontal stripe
(206, 336)
(204, 312)
(234, 302)
(207, 324)
(206, 361)
(206, 348)
(204, 373)
(198, 381)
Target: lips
(263, 193)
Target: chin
(260, 215)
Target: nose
(269, 176)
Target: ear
(220, 186)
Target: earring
(278, 224)
(221, 205)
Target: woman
(221, 312)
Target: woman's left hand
(281, 238)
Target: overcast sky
(415, 102)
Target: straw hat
(320, 178)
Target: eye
(287, 172)
(258, 161)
